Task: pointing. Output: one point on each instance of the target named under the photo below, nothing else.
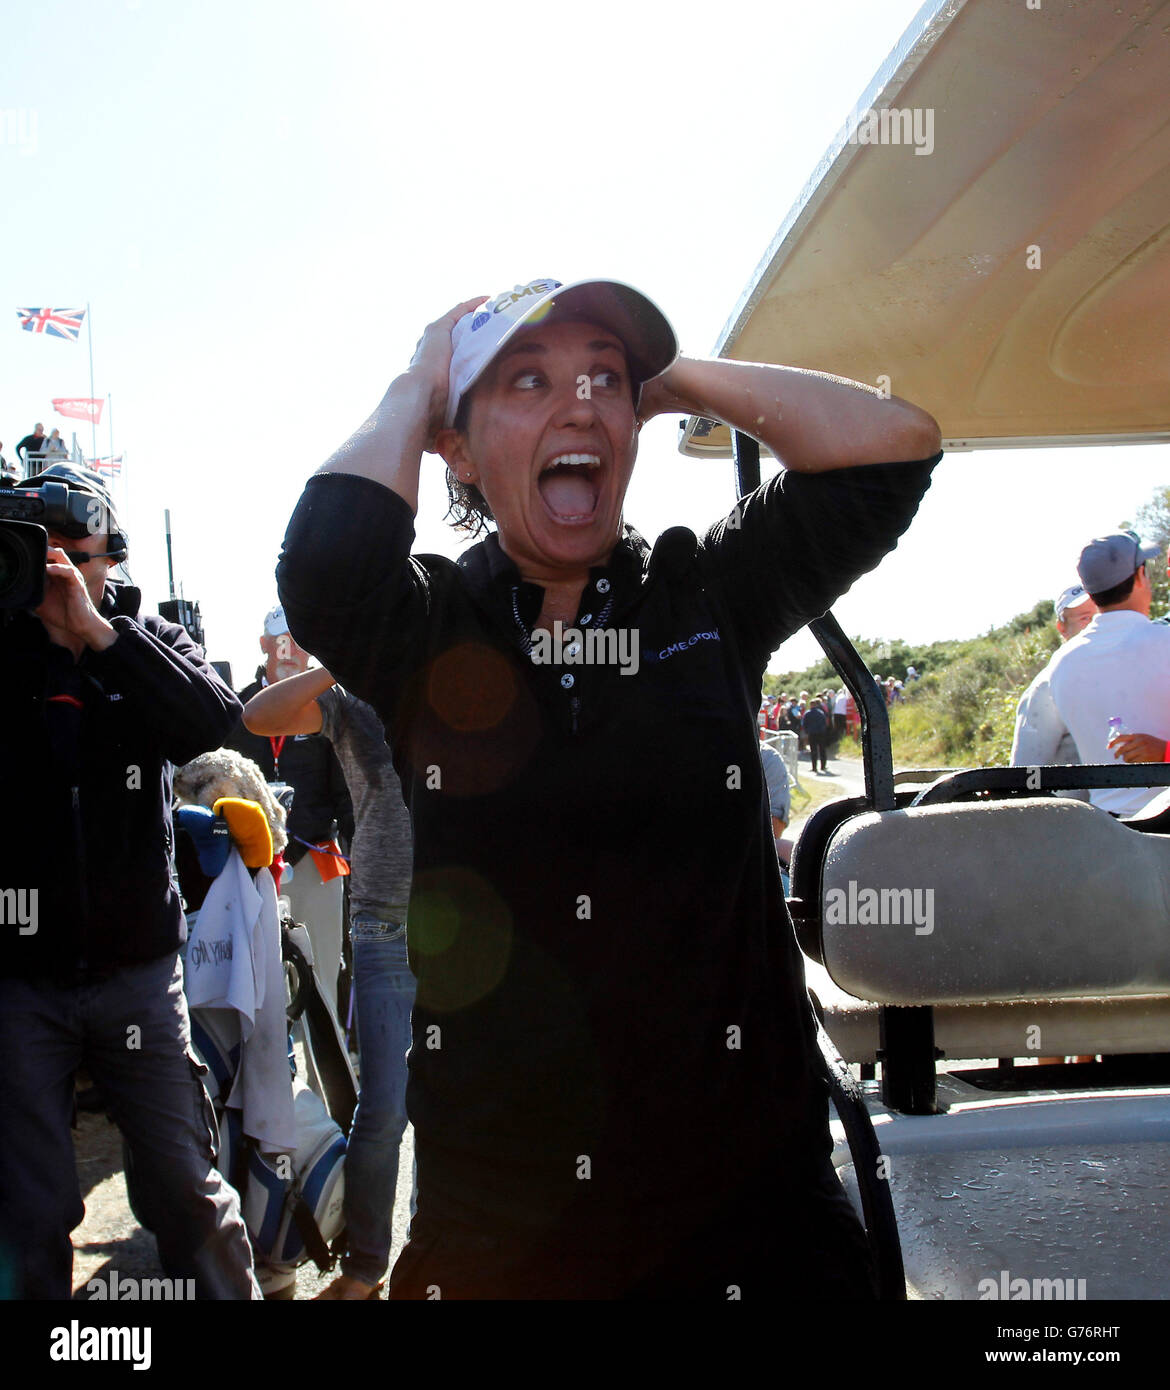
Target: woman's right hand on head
(431, 362)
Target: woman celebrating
(614, 1078)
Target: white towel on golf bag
(233, 962)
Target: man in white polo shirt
(1041, 738)
(1119, 666)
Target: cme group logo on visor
(649, 340)
(505, 302)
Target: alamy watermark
(18, 908)
(1019, 1288)
(912, 125)
(880, 907)
(121, 1288)
(595, 646)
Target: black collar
(490, 572)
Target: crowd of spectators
(821, 719)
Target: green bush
(964, 715)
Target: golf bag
(292, 1202)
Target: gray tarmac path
(846, 777)
(110, 1238)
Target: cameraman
(102, 703)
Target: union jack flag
(112, 464)
(58, 323)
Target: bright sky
(265, 203)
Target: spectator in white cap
(1116, 668)
(1041, 738)
(284, 657)
(1073, 611)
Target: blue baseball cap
(1109, 560)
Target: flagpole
(121, 474)
(92, 421)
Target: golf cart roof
(1006, 264)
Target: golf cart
(1014, 280)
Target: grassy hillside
(963, 713)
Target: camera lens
(22, 564)
(10, 562)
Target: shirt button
(586, 618)
(572, 649)
(567, 681)
(603, 586)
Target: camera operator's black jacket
(86, 752)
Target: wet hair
(467, 507)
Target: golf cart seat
(1028, 926)
(1006, 929)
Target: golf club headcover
(209, 835)
(249, 829)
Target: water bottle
(1116, 727)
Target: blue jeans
(131, 1031)
(384, 996)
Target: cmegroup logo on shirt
(676, 648)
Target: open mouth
(570, 486)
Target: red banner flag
(80, 408)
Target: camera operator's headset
(117, 539)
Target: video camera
(27, 515)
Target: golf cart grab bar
(876, 752)
(1030, 780)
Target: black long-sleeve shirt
(608, 982)
(86, 755)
